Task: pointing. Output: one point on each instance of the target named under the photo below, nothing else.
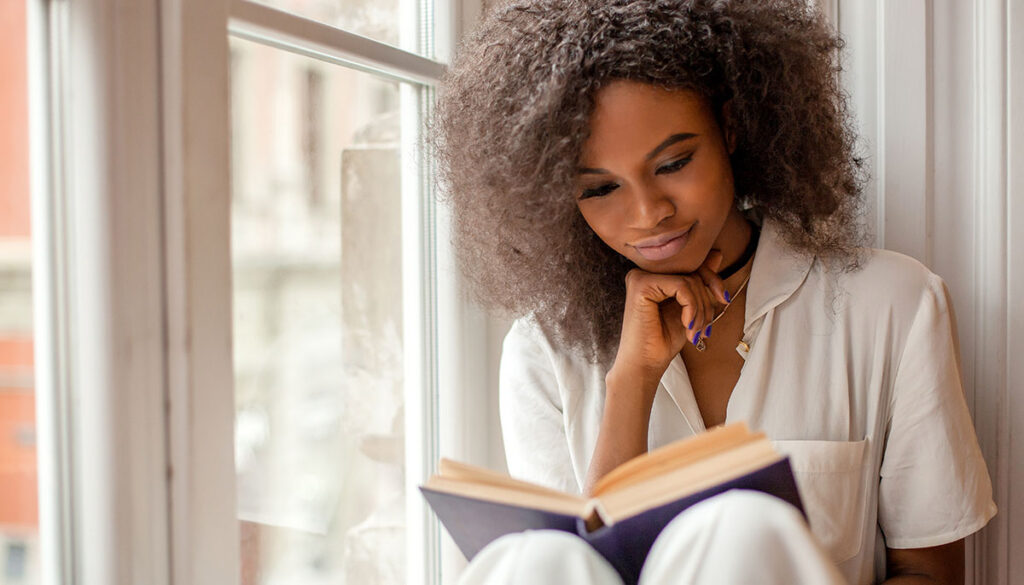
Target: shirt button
(743, 347)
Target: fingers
(697, 302)
(709, 274)
(702, 327)
(694, 314)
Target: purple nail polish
(696, 338)
(707, 332)
(694, 320)
(728, 297)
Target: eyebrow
(679, 137)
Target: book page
(554, 501)
(674, 455)
(688, 480)
(454, 470)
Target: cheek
(710, 190)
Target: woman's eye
(599, 191)
(672, 166)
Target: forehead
(629, 116)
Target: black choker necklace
(731, 269)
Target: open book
(628, 507)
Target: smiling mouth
(663, 247)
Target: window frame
(294, 33)
(97, 292)
(131, 195)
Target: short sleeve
(532, 423)
(934, 486)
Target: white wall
(932, 83)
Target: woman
(664, 193)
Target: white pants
(737, 537)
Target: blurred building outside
(316, 251)
(19, 523)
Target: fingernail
(707, 333)
(692, 322)
(728, 297)
(696, 338)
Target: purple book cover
(473, 523)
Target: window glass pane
(394, 22)
(317, 277)
(19, 523)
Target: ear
(728, 132)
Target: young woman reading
(665, 194)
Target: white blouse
(855, 376)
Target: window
(334, 290)
(317, 243)
(242, 290)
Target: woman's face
(655, 182)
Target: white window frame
(98, 293)
(131, 190)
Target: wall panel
(931, 81)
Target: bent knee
(748, 515)
(752, 507)
(539, 556)
(541, 546)
(703, 543)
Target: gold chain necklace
(702, 342)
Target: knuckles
(644, 284)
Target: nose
(651, 206)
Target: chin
(684, 261)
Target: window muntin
(395, 22)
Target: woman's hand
(663, 312)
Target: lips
(663, 246)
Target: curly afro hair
(514, 113)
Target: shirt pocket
(830, 477)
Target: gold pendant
(701, 346)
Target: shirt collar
(777, 273)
